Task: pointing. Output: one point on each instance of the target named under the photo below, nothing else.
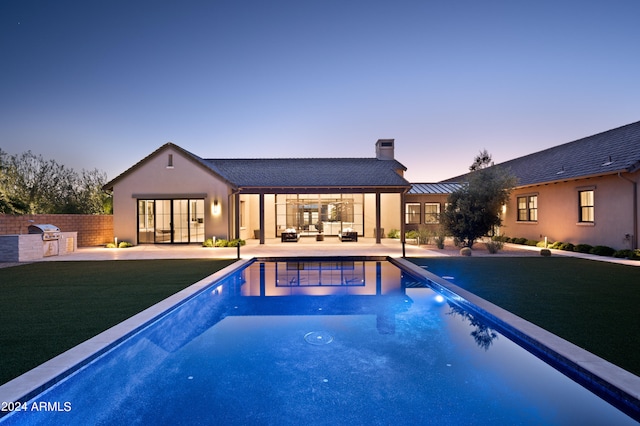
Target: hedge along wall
(93, 230)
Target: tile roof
(310, 172)
(613, 151)
(434, 188)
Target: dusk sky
(101, 84)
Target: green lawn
(592, 304)
(49, 307)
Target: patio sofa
(290, 235)
(348, 235)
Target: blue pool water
(310, 343)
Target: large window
(431, 212)
(310, 214)
(586, 206)
(528, 208)
(412, 213)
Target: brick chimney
(384, 149)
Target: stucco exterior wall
(252, 210)
(154, 178)
(389, 213)
(558, 212)
(426, 198)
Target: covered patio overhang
(261, 191)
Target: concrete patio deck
(331, 246)
(272, 248)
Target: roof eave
(574, 178)
(323, 189)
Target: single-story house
(175, 196)
(585, 191)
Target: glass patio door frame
(170, 221)
(304, 211)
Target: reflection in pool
(334, 342)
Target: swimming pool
(318, 342)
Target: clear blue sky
(101, 84)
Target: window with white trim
(412, 213)
(586, 206)
(431, 212)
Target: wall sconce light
(215, 207)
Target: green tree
(31, 184)
(10, 201)
(474, 209)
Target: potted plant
(320, 228)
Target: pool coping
(614, 384)
(33, 382)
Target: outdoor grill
(50, 236)
(48, 232)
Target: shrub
(394, 233)
(465, 251)
(124, 244)
(501, 238)
(520, 241)
(582, 248)
(207, 243)
(545, 252)
(494, 246)
(623, 254)
(566, 247)
(222, 242)
(541, 244)
(532, 243)
(602, 251)
(412, 235)
(111, 245)
(237, 242)
(439, 241)
(556, 245)
(425, 234)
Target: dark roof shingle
(310, 172)
(613, 151)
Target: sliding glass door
(170, 221)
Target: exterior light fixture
(215, 207)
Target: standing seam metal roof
(434, 188)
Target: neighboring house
(582, 192)
(174, 196)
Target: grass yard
(49, 307)
(592, 304)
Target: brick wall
(93, 230)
